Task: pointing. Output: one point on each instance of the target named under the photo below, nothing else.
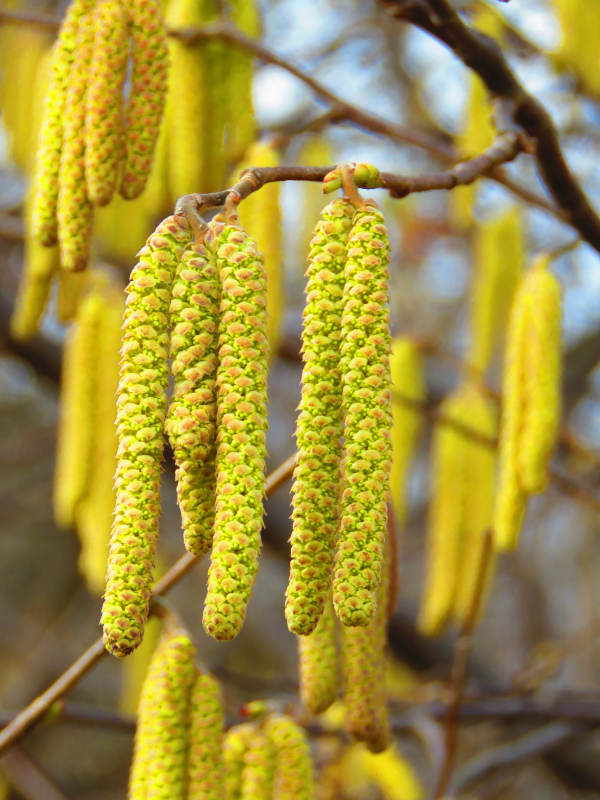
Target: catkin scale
(192, 411)
(241, 429)
(293, 765)
(319, 427)
(146, 101)
(366, 386)
(318, 667)
(205, 768)
(140, 417)
(104, 101)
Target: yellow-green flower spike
(71, 288)
(148, 92)
(365, 369)
(74, 211)
(241, 129)
(78, 395)
(363, 672)
(235, 743)
(542, 401)
(406, 367)
(258, 773)
(320, 426)
(318, 667)
(135, 668)
(103, 122)
(293, 764)
(140, 417)
(241, 429)
(194, 320)
(51, 132)
(205, 766)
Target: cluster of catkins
(181, 751)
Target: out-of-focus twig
(27, 777)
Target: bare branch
(27, 777)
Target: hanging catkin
(318, 667)
(146, 102)
(293, 764)
(140, 417)
(258, 774)
(194, 320)
(408, 383)
(104, 101)
(319, 427)
(51, 132)
(235, 743)
(241, 128)
(366, 384)
(74, 211)
(241, 429)
(205, 770)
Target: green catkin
(364, 365)
(235, 743)
(408, 381)
(104, 101)
(74, 212)
(78, 393)
(363, 671)
(541, 414)
(258, 774)
(194, 316)
(51, 132)
(141, 404)
(293, 764)
(320, 426)
(318, 667)
(241, 429)
(146, 102)
(205, 768)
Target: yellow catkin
(235, 743)
(78, 391)
(94, 512)
(260, 215)
(293, 765)
(318, 663)
(74, 211)
(578, 51)
(205, 764)
(215, 63)
(498, 260)
(392, 774)
(317, 152)
(408, 384)
(71, 288)
(241, 128)
(135, 668)
(258, 773)
(542, 402)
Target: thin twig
(72, 675)
(27, 777)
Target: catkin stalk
(319, 428)
(318, 667)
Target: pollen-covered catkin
(293, 764)
(319, 427)
(104, 101)
(141, 404)
(52, 127)
(241, 429)
(366, 383)
(541, 413)
(408, 384)
(241, 128)
(146, 101)
(318, 667)
(205, 767)
(194, 321)
(258, 774)
(74, 211)
(235, 743)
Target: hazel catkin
(140, 416)
(205, 768)
(318, 667)
(319, 427)
(258, 773)
(364, 364)
(293, 764)
(235, 743)
(241, 429)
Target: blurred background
(539, 632)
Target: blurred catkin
(316, 151)
(408, 384)
(140, 417)
(365, 370)
(241, 128)
(147, 96)
(52, 127)
(104, 101)
(258, 773)
(241, 429)
(293, 764)
(320, 426)
(205, 770)
(318, 667)
(194, 321)
(135, 668)
(72, 286)
(235, 743)
(74, 211)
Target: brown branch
(483, 55)
(40, 20)
(27, 777)
(72, 675)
